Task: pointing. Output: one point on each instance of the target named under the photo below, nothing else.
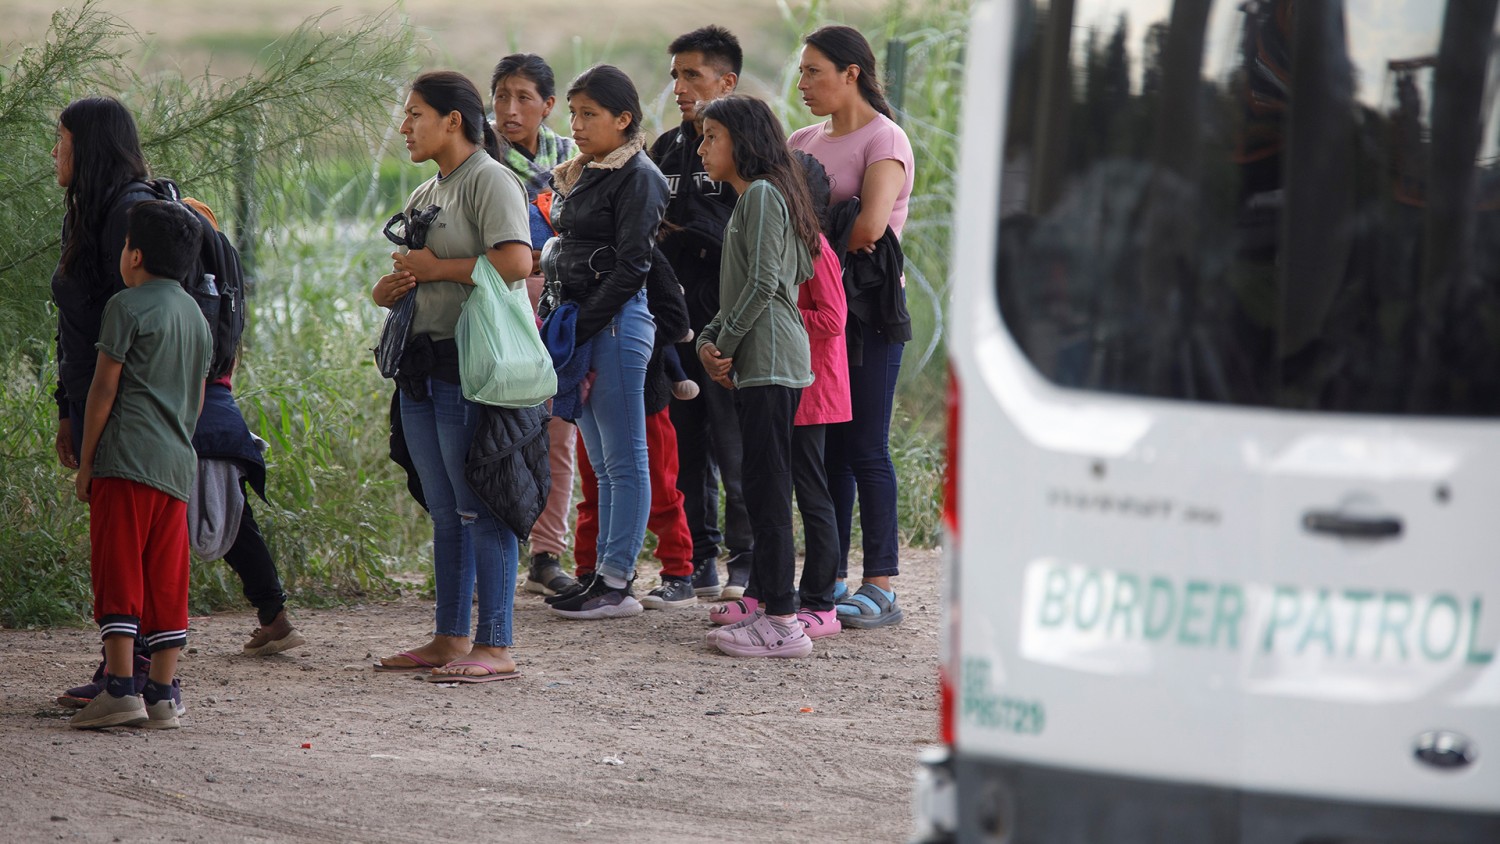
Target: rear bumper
(1008, 803)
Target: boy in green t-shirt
(137, 465)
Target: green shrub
(339, 520)
(314, 95)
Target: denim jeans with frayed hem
(472, 551)
(613, 425)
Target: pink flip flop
(490, 676)
(418, 664)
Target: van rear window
(1257, 202)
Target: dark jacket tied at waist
(872, 282)
(507, 465)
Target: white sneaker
(162, 715)
(106, 710)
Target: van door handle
(1356, 527)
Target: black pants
(708, 451)
(819, 524)
(766, 424)
(251, 560)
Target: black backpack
(217, 283)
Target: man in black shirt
(705, 65)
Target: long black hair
(843, 45)
(106, 155)
(448, 91)
(608, 86)
(527, 66)
(760, 152)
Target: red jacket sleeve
(821, 298)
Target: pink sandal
(733, 612)
(819, 623)
(713, 635)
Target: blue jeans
(471, 549)
(859, 457)
(613, 425)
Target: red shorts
(139, 559)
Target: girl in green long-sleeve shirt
(757, 346)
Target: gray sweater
(758, 324)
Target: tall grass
(339, 520)
(311, 93)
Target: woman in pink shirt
(867, 156)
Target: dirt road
(627, 730)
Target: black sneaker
(577, 587)
(706, 577)
(673, 592)
(739, 576)
(546, 576)
(600, 600)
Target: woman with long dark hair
(99, 162)
(98, 158)
(608, 207)
(523, 92)
(757, 346)
(869, 157)
(481, 217)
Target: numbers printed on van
(982, 706)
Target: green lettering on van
(1124, 603)
(1091, 595)
(1054, 609)
(1281, 614)
(978, 703)
(1151, 626)
(1228, 611)
(1357, 597)
(1191, 611)
(1393, 623)
(1475, 655)
(1455, 624)
(1319, 626)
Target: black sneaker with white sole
(600, 600)
(673, 592)
(574, 589)
(545, 575)
(706, 578)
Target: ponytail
(844, 46)
(491, 142)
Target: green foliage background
(295, 158)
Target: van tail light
(948, 640)
(950, 470)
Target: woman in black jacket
(100, 164)
(608, 206)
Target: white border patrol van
(1223, 514)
